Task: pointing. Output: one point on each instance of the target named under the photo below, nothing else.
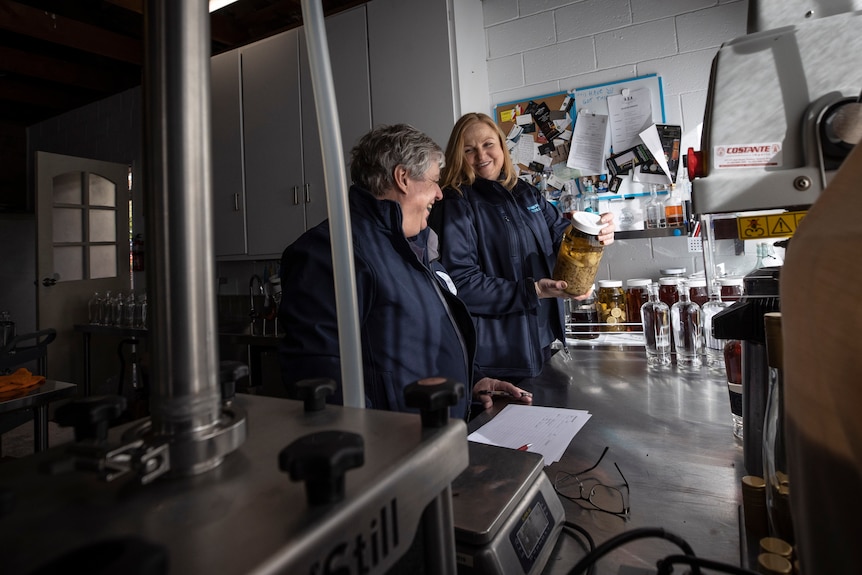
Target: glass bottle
(107, 308)
(142, 311)
(697, 291)
(733, 369)
(673, 208)
(687, 329)
(590, 200)
(713, 348)
(655, 317)
(611, 305)
(94, 309)
(655, 217)
(129, 313)
(568, 202)
(119, 307)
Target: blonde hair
(458, 172)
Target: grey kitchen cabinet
(228, 186)
(281, 189)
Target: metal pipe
(185, 404)
(339, 213)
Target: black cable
(623, 538)
(665, 566)
(577, 530)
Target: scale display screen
(531, 532)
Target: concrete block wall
(538, 47)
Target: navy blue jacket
(411, 326)
(488, 244)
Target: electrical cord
(623, 538)
(665, 566)
(579, 531)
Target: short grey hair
(374, 158)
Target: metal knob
(321, 460)
(433, 397)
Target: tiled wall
(538, 47)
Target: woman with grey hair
(412, 324)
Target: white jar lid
(696, 282)
(673, 272)
(671, 281)
(587, 222)
(610, 283)
(730, 281)
(638, 282)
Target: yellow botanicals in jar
(611, 305)
(580, 253)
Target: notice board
(594, 98)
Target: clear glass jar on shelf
(655, 216)
(731, 288)
(637, 294)
(668, 290)
(687, 327)
(655, 318)
(584, 317)
(697, 290)
(611, 305)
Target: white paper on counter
(548, 430)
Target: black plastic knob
(91, 416)
(433, 397)
(313, 392)
(321, 460)
(229, 373)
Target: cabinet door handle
(236, 202)
(295, 195)
(307, 194)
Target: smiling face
(418, 199)
(483, 151)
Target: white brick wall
(538, 47)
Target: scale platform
(507, 516)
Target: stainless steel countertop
(670, 433)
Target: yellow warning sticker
(773, 226)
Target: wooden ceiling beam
(32, 65)
(22, 19)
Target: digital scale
(507, 516)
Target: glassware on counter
(611, 305)
(687, 329)
(731, 288)
(580, 253)
(584, 316)
(733, 368)
(129, 310)
(655, 317)
(106, 309)
(118, 305)
(637, 294)
(94, 309)
(141, 312)
(713, 348)
(697, 291)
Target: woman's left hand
(606, 235)
(487, 388)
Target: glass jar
(584, 317)
(731, 288)
(580, 253)
(667, 290)
(611, 305)
(697, 291)
(637, 294)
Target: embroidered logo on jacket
(534, 208)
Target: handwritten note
(548, 430)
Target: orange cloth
(21, 379)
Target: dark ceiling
(58, 55)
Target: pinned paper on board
(587, 150)
(630, 113)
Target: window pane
(103, 192)
(69, 263)
(103, 225)
(67, 188)
(67, 225)
(103, 262)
